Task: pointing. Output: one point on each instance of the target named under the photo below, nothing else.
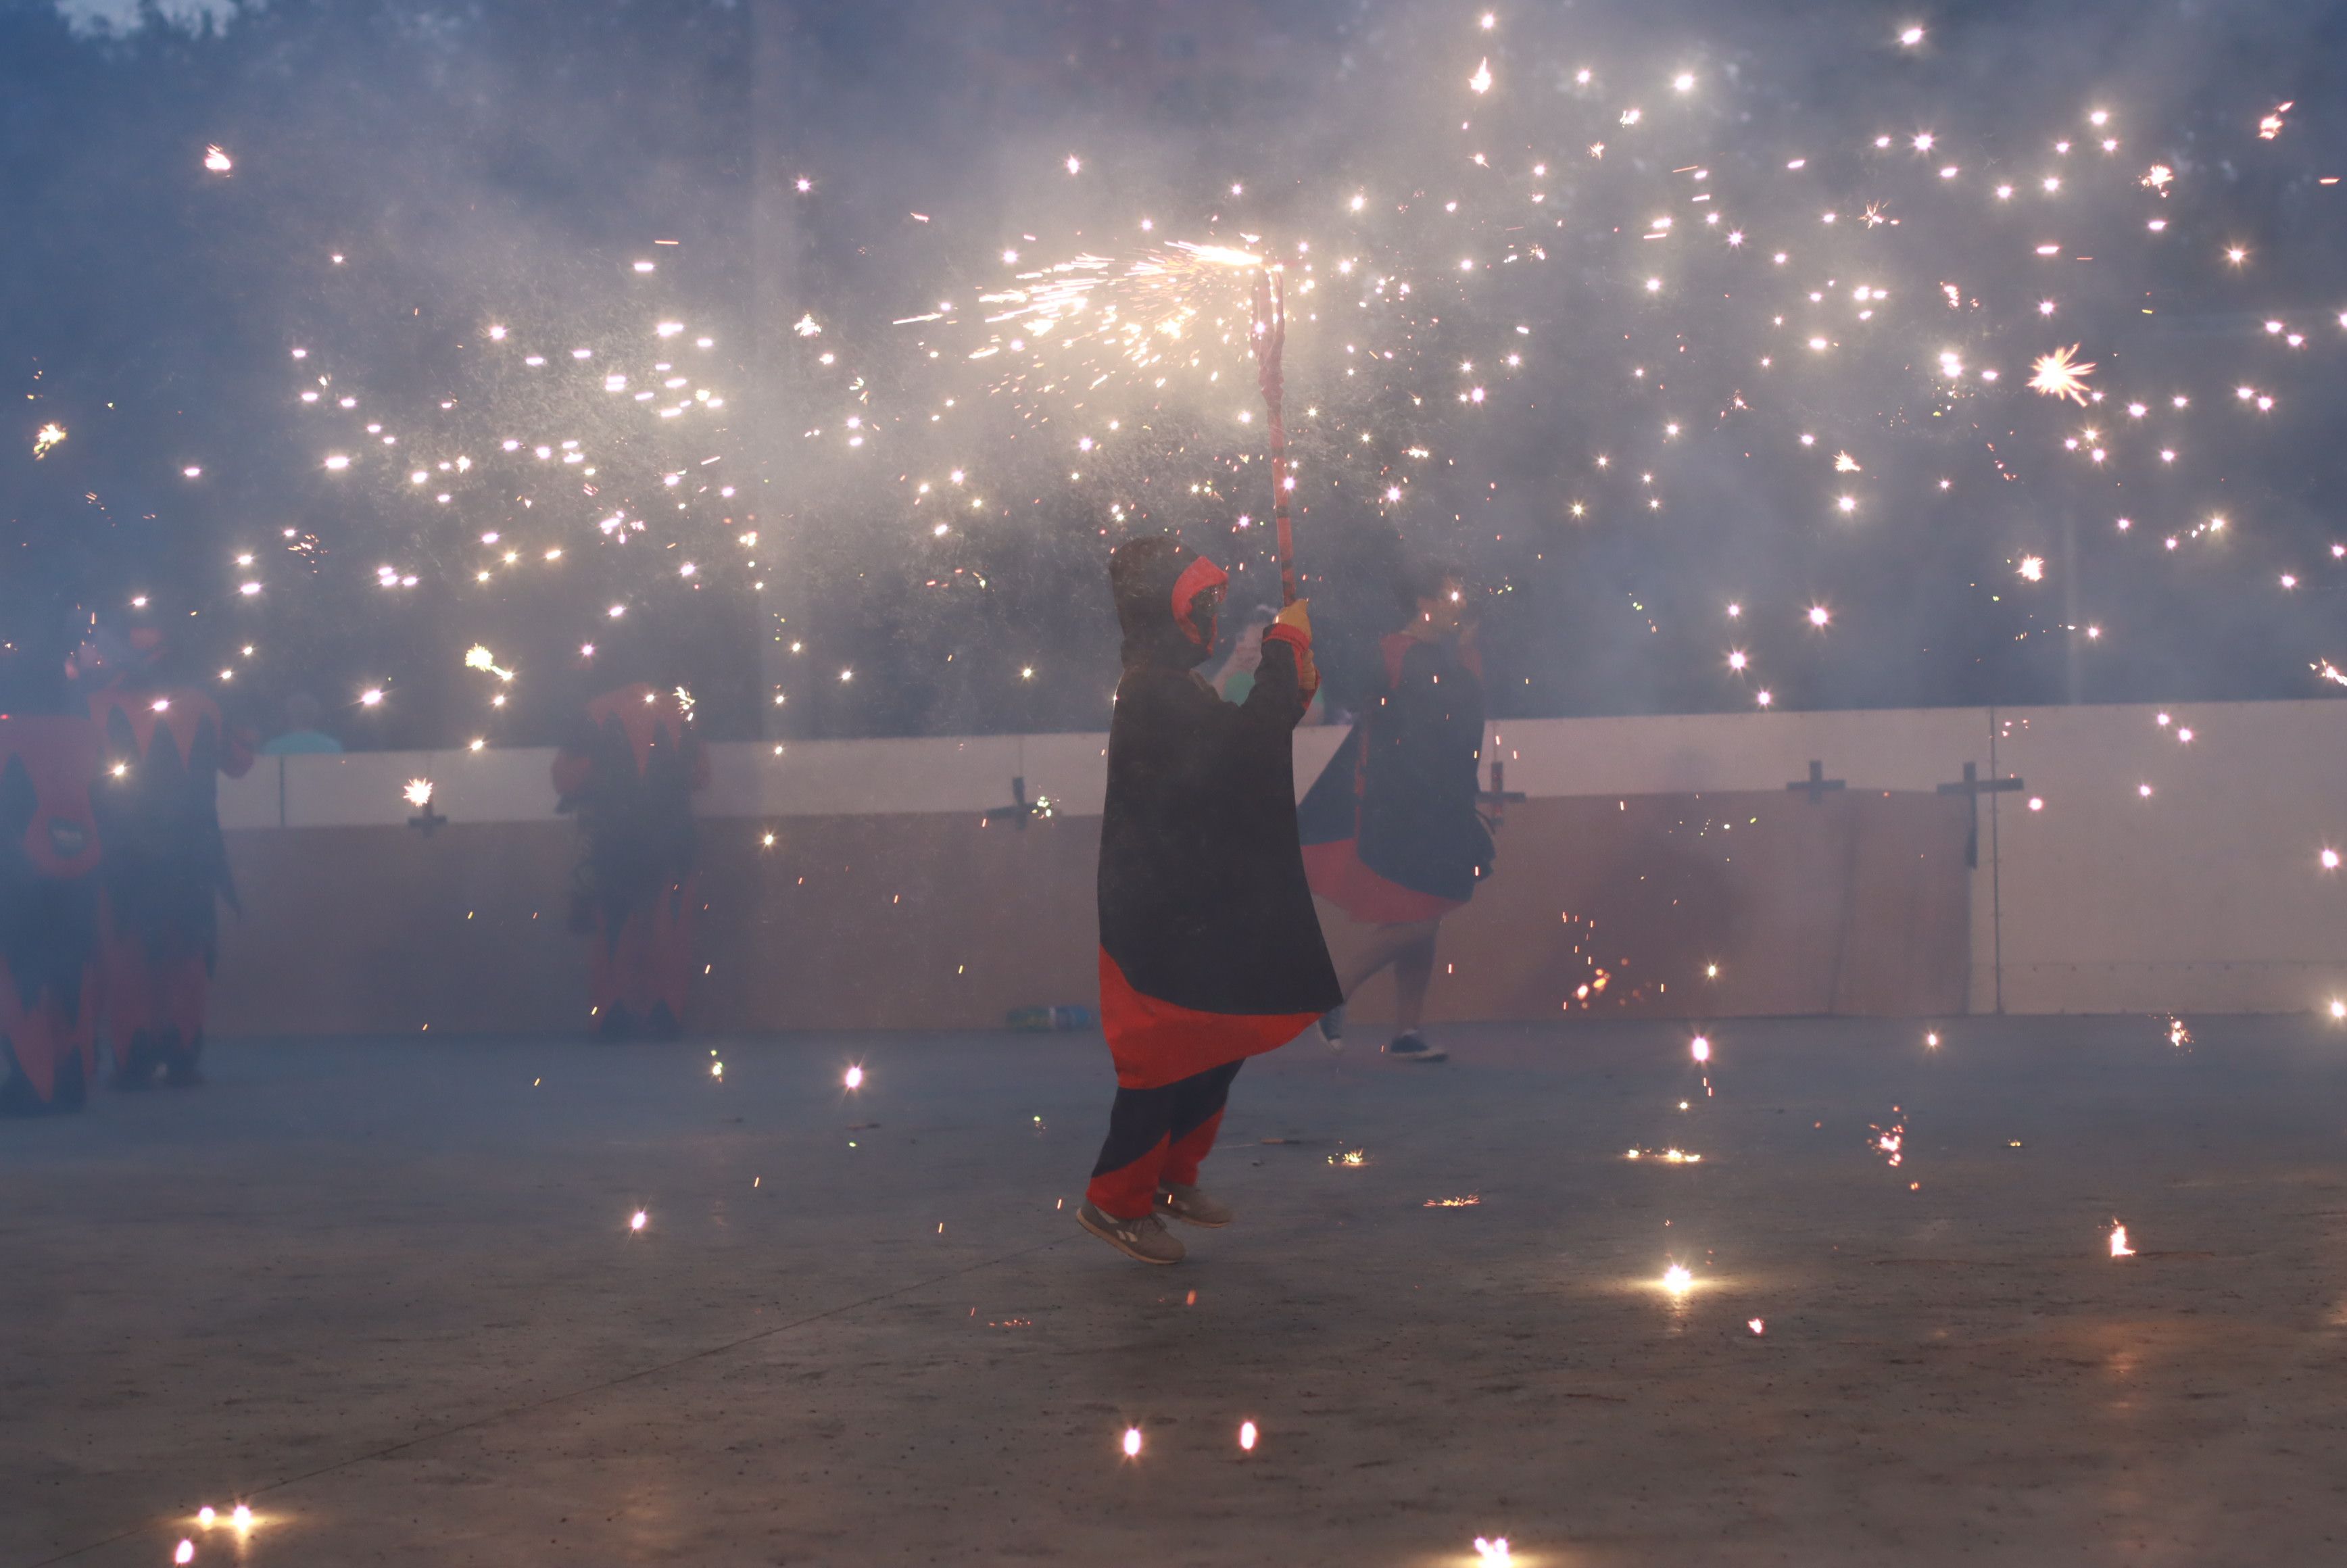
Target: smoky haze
(512, 164)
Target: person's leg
(1198, 1103)
(1140, 1129)
(1373, 951)
(1413, 967)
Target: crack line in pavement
(535, 1404)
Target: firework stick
(1270, 338)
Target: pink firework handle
(1270, 338)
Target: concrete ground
(388, 1293)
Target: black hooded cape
(1402, 794)
(1209, 950)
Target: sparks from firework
(1131, 1444)
(853, 1078)
(1677, 1281)
(1492, 1554)
(2119, 1248)
(46, 438)
(2059, 374)
(418, 793)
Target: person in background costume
(164, 745)
(1209, 950)
(1394, 838)
(629, 771)
(48, 889)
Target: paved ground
(388, 1293)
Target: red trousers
(649, 958)
(159, 994)
(1156, 1137)
(47, 1035)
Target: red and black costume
(1210, 952)
(163, 748)
(1393, 831)
(631, 772)
(48, 911)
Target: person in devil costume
(164, 745)
(1210, 952)
(1394, 837)
(48, 888)
(630, 770)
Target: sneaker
(1410, 1046)
(1332, 1027)
(1193, 1207)
(1144, 1239)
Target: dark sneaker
(1146, 1238)
(1193, 1207)
(1332, 1027)
(1410, 1046)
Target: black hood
(1147, 575)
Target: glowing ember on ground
(185, 1552)
(1701, 1048)
(1755, 1325)
(1677, 1280)
(1493, 1552)
(1133, 1442)
(855, 1079)
(1466, 1202)
(2119, 1248)
(636, 1221)
(1247, 1437)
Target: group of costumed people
(1221, 900)
(112, 865)
(1220, 896)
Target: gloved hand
(1293, 626)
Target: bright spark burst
(46, 437)
(2119, 1248)
(418, 793)
(2059, 374)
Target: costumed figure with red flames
(630, 770)
(48, 888)
(1394, 835)
(163, 746)
(1210, 952)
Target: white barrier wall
(2206, 895)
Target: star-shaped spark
(2058, 375)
